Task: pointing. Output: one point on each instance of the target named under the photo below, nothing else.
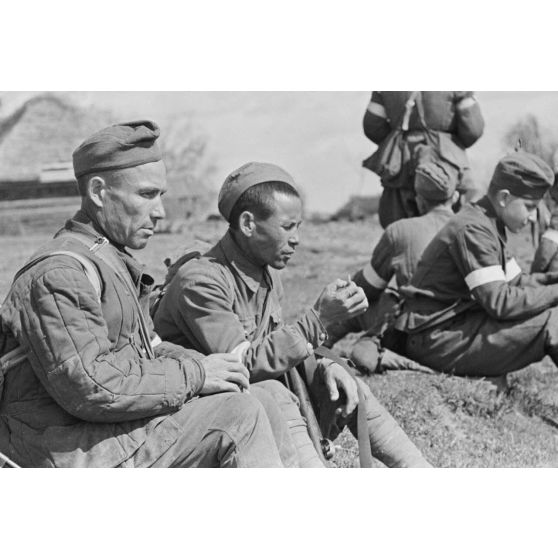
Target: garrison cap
(245, 177)
(118, 147)
(525, 175)
(435, 180)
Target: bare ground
(456, 422)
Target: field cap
(118, 147)
(245, 177)
(525, 175)
(435, 181)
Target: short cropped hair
(259, 200)
(109, 176)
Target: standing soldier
(451, 121)
(469, 310)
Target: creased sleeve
(204, 305)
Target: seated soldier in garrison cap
(469, 309)
(230, 300)
(86, 381)
(396, 256)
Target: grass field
(456, 422)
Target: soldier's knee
(243, 409)
(275, 390)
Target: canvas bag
(445, 147)
(392, 158)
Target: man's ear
(247, 223)
(455, 197)
(96, 188)
(503, 197)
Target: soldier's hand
(337, 379)
(340, 301)
(224, 372)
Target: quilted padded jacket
(87, 395)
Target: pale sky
(317, 136)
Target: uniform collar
(250, 273)
(82, 223)
(441, 209)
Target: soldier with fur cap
(93, 386)
(230, 300)
(469, 309)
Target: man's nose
(158, 211)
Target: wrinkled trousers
(474, 344)
(225, 430)
(304, 453)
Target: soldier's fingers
(239, 379)
(228, 386)
(352, 400)
(338, 284)
(331, 386)
(237, 367)
(358, 299)
(350, 290)
(227, 357)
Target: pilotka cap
(525, 175)
(245, 177)
(118, 147)
(435, 181)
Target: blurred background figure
(398, 122)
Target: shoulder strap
(88, 267)
(406, 116)
(119, 269)
(420, 109)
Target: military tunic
(456, 113)
(218, 304)
(470, 310)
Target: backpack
(193, 251)
(392, 158)
(396, 158)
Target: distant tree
(528, 133)
(190, 168)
